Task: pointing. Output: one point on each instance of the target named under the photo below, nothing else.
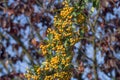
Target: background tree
(23, 27)
(21, 23)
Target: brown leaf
(33, 41)
(89, 75)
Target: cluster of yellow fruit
(80, 18)
(66, 10)
(58, 50)
(63, 34)
(59, 76)
(30, 76)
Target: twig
(84, 54)
(31, 26)
(94, 46)
(23, 47)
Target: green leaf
(50, 37)
(49, 51)
(82, 33)
(60, 66)
(74, 14)
(92, 9)
(96, 3)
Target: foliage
(58, 48)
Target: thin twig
(94, 46)
(32, 27)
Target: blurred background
(23, 25)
